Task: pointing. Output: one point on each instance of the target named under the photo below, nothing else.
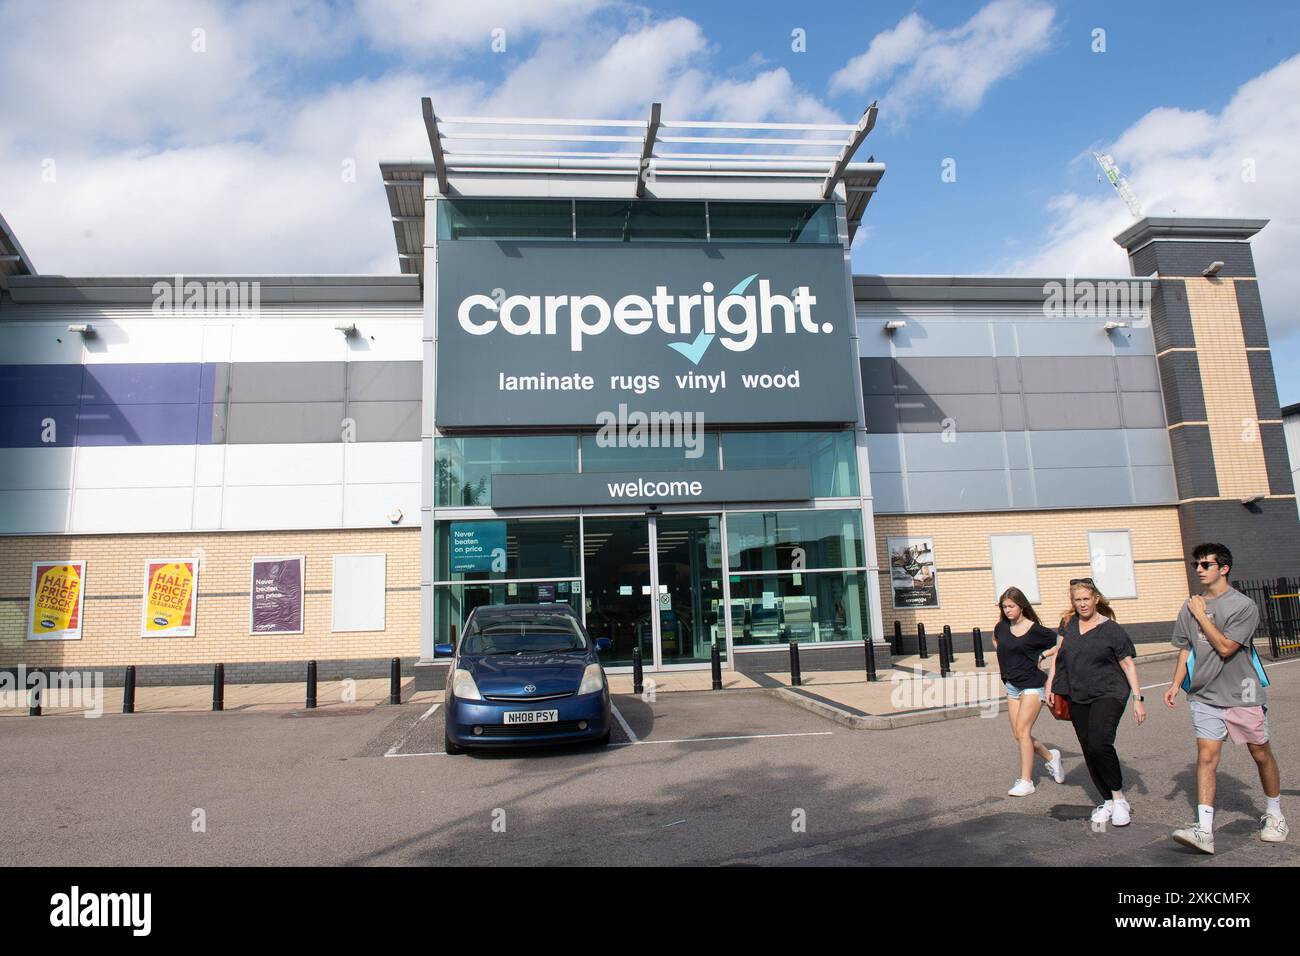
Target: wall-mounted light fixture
(83, 328)
(1112, 325)
(348, 329)
(893, 325)
(1213, 268)
(1252, 500)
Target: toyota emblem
(530, 688)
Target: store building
(638, 377)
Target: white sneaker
(1054, 767)
(1196, 837)
(1023, 788)
(1273, 829)
(1121, 815)
(1103, 813)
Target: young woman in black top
(1094, 670)
(1021, 643)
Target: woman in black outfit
(1021, 643)
(1094, 670)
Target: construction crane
(1117, 180)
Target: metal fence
(1279, 613)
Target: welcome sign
(551, 333)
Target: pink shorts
(1244, 725)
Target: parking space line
(393, 750)
(623, 723)
(703, 740)
(1165, 683)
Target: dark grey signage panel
(615, 488)
(553, 333)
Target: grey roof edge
(272, 290)
(868, 288)
(10, 246)
(1289, 410)
(1187, 227)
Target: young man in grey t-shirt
(1214, 631)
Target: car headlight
(593, 679)
(463, 686)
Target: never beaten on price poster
(170, 588)
(56, 601)
(276, 604)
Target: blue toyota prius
(524, 675)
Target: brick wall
(115, 585)
(964, 568)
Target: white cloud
(1196, 163)
(427, 28)
(954, 68)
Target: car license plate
(531, 716)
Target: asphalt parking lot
(733, 777)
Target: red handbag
(1060, 707)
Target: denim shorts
(1014, 692)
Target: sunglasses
(1205, 565)
(1074, 581)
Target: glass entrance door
(616, 561)
(688, 552)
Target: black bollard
(947, 643)
(638, 677)
(897, 648)
(871, 659)
(717, 667)
(395, 681)
(219, 687)
(796, 672)
(977, 639)
(34, 697)
(921, 647)
(945, 651)
(311, 685)
(128, 691)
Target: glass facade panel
(505, 219)
(640, 221)
(534, 548)
(818, 607)
(773, 222)
(596, 457)
(830, 456)
(453, 602)
(463, 467)
(794, 540)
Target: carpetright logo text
(736, 320)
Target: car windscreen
(538, 635)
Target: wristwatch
(1139, 698)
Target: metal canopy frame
(638, 151)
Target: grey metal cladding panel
(1148, 447)
(1067, 449)
(885, 453)
(1276, 461)
(221, 381)
(1180, 382)
(1251, 310)
(1171, 316)
(220, 415)
(1013, 412)
(966, 451)
(386, 421)
(1155, 486)
(1143, 262)
(258, 423)
(887, 493)
(957, 491)
(1017, 445)
(384, 381)
(966, 375)
(1073, 410)
(1022, 489)
(965, 413)
(1062, 337)
(1264, 384)
(877, 376)
(1142, 409)
(288, 381)
(1068, 374)
(1177, 258)
(882, 414)
(1008, 374)
(1083, 487)
(1194, 461)
(1138, 373)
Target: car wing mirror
(603, 644)
(443, 650)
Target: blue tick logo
(694, 351)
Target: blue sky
(227, 159)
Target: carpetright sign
(547, 333)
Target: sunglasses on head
(1087, 581)
(1205, 565)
